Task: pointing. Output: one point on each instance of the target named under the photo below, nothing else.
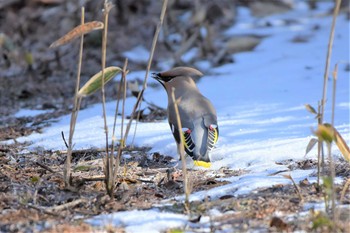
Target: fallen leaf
(311, 145)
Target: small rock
(278, 223)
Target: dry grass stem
(119, 92)
(328, 57)
(109, 172)
(154, 42)
(325, 79)
(320, 162)
(343, 192)
(122, 137)
(335, 74)
(295, 186)
(180, 148)
(74, 115)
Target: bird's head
(167, 76)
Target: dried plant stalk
(154, 42)
(121, 89)
(109, 171)
(295, 186)
(74, 115)
(180, 148)
(328, 58)
(325, 79)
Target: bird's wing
(187, 139)
(210, 122)
(213, 135)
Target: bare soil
(33, 196)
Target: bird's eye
(168, 79)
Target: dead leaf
(343, 147)
(310, 109)
(311, 145)
(76, 32)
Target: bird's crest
(166, 76)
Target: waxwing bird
(197, 114)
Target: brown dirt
(33, 194)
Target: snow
(29, 112)
(260, 103)
(137, 54)
(141, 221)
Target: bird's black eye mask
(161, 78)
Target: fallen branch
(44, 210)
(68, 205)
(47, 168)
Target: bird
(197, 114)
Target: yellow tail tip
(202, 164)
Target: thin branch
(64, 139)
(42, 209)
(154, 42)
(47, 168)
(58, 208)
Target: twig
(296, 188)
(154, 42)
(47, 168)
(186, 45)
(68, 205)
(64, 140)
(83, 151)
(93, 178)
(44, 210)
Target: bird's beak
(157, 77)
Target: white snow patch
(152, 221)
(138, 54)
(30, 112)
